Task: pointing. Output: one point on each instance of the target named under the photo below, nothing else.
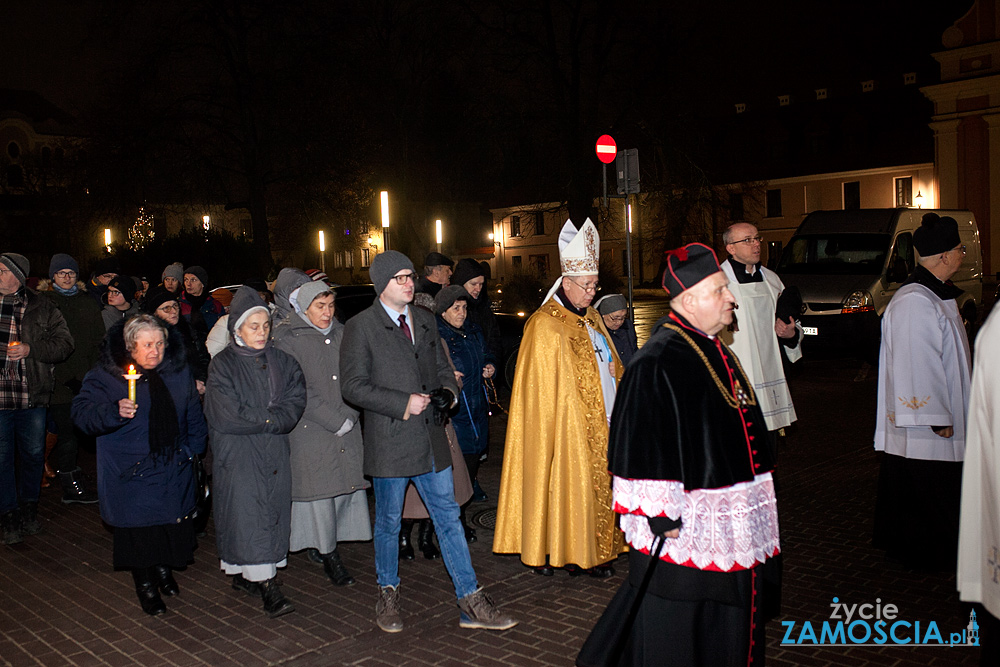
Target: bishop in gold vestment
(555, 492)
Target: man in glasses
(83, 317)
(923, 400)
(33, 337)
(555, 493)
(758, 332)
(394, 367)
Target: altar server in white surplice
(923, 400)
(757, 332)
(979, 532)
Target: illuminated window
(515, 225)
(904, 191)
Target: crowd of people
(182, 387)
(298, 417)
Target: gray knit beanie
(18, 265)
(385, 266)
(175, 270)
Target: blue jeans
(22, 438)
(437, 490)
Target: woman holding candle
(145, 448)
(254, 398)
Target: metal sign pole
(628, 247)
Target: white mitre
(579, 252)
(579, 249)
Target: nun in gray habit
(254, 397)
(329, 504)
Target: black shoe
(405, 546)
(425, 540)
(314, 556)
(478, 495)
(335, 569)
(10, 526)
(544, 570)
(29, 519)
(275, 603)
(74, 490)
(145, 588)
(599, 572)
(470, 534)
(248, 587)
(165, 580)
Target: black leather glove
(441, 399)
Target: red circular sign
(607, 149)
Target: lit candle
(132, 376)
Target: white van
(848, 264)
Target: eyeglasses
(65, 274)
(5, 271)
(169, 309)
(593, 287)
(750, 240)
(402, 278)
(114, 292)
(616, 318)
(962, 248)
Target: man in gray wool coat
(393, 367)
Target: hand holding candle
(132, 376)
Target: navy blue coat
(134, 489)
(468, 353)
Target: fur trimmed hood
(115, 359)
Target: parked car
(848, 264)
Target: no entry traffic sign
(607, 150)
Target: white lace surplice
(727, 529)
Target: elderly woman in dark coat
(476, 363)
(329, 504)
(145, 450)
(255, 396)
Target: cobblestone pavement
(61, 603)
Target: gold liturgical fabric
(555, 493)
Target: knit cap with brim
(385, 266)
(447, 297)
(17, 264)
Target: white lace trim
(733, 528)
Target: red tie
(405, 327)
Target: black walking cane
(640, 594)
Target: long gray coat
(251, 472)
(380, 369)
(323, 464)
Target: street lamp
(322, 252)
(206, 222)
(384, 196)
(437, 225)
(107, 239)
(919, 199)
